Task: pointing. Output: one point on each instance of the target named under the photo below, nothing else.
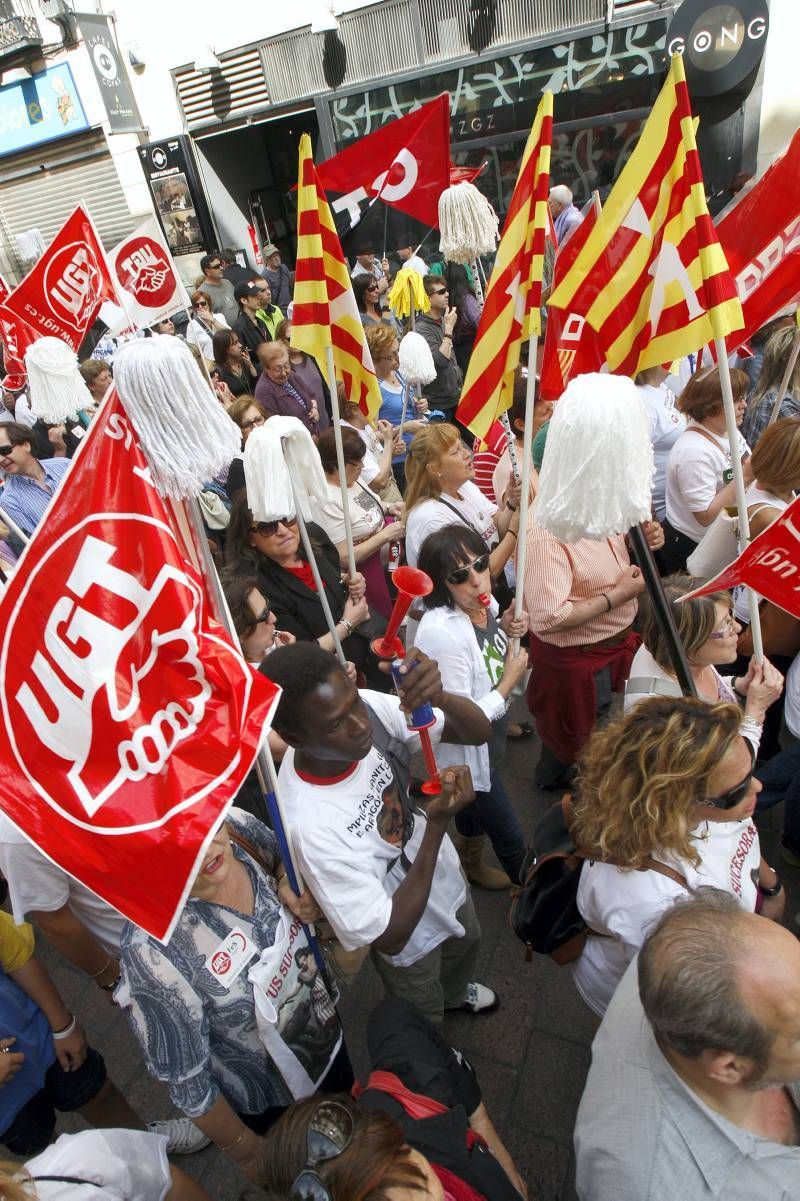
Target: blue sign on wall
(39, 109)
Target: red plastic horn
(410, 583)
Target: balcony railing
(20, 37)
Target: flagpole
(787, 375)
(12, 525)
(738, 479)
(527, 443)
(511, 442)
(337, 434)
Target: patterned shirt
(198, 1036)
(757, 421)
(25, 501)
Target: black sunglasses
(263, 617)
(7, 449)
(439, 292)
(268, 528)
(330, 1133)
(734, 796)
(461, 574)
(371, 288)
(213, 266)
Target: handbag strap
(461, 517)
(68, 1180)
(252, 850)
(649, 865)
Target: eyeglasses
(330, 1133)
(728, 628)
(439, 292)
(201, 304)
(268, 529)
(461, 574)
(264, 616)
(248, 425)
(734, 796)
(371, 288)
(213, 266)
(7, 449)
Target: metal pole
(12, 525)
(787, 375)
(510, 443)
(662, 609)
(326, 609)
(527, 441)
(337, 434)
(738, 479)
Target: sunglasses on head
(267, 529)
(330, 1133)
(461, 574)
(734, 796)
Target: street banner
(405, 163)
(62, 294)
(511, 311)
(760, 234)
(109, 71)
(325, 314)
(770, 565)
(147, 283)
(651, 278)
(570, 344)
(129, 720)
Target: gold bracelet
(106, 965)
(235, 1143)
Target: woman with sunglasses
(232, 363)
(367, 293)
(204, 324)
(463, 631)
(672, 782)
(272, 551)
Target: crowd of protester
(686, 954)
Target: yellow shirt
(16, 943)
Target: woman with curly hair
(671, 782)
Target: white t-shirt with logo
(36, 883)
(625, 904)
(471, 508)
(695, 468)
(347, 833)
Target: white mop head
(56, 386)
(597, 473)
(468, 223)
(416, 360)
(279, 452)
(185, 433)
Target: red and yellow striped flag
(652, 279)
(325, 312)
(514, 295)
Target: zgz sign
(721, 43)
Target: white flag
(146, 278)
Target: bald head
(714, 977)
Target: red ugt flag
(405, 162)
(62, 294)
(129, 719)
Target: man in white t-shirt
(84, 929)
(385, 874)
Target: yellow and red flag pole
(340, 463)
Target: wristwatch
(774, 890)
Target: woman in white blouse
(463, 631)
(664, 805)
(699, 472)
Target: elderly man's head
(274, 358)
(560, 199)
(721, 989)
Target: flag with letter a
(325, 313)
(514, 295)
(652, 279)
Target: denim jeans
(780, 780)
(491, 813)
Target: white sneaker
(183, 1137)
(478, 999)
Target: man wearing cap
(251, 330)
(278, 276)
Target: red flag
(464, 174)
(760, 234)
(16, 337)
(405, 162)
(4, 289)
(571, 347)
(129, 719)
(62, 294)
(770, 564)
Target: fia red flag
(129, 719)
(406, 163)
(770, 564)
(62, 294)
(760, 235)
(571, 346)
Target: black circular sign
(721, 43)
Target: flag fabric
(129, 718)
(570, 344)
(146, 280)
(62, 294)
(405, 162)
(325, 313)
(651, 279)
(511, 311)
(16, 337)
(760, 234)
(770, 565)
